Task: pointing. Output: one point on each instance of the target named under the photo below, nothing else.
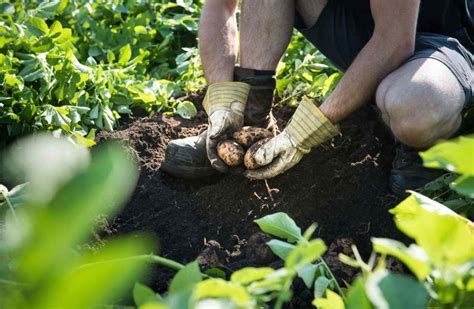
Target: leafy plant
(75, 66)
(45, 221)
(442, 257)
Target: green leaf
(320, 286)
(280, 225)
(215, 272)
(95, 278)
(186, 278)
(464, 185)
(332, 301)
(305, 253)
(125, 54)
(395, 291)
(356, 296)
(143, 294)
(445, 236)
(413, 257)
(221, 289)
(38, 26)
(186, 109)
(247, 275)
(307, 273)
(280, 248)
(99, 188)
(7, 8)
(454, 155)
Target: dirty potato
(248, 136)
(249, 160)
(230, 152)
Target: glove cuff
(227, 96)
(309, 127)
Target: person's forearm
(358, 85)
(218, 40)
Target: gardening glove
(225, 105)
(307, 128)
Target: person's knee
(418, 112)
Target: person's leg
(421, 102)
(266, 27)
(265, 31)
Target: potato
(230, 152)
(249, 160)
(248, 136)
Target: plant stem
(146, 258)
(339, 290)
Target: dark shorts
(342, 31)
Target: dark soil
(342, 186)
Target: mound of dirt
(342, 186)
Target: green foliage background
(76, 66)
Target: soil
(342, 186)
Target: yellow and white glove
(308, 128)
(225, 106)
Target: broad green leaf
(125, 54)
(332, 301)
(413, 257)
(307, 273)
(143, 294)
(281, 249)
(186, 278)
(55, 162)
(446, 237)
(38, 26)
(454, 155)
(94, 279)
(320, 286)
(356, 296)
(280, 225)
(221, 289)
(12, 81)
(248, 275)
(140, 29)
(147, 97)
(99, 188)
(464, 185)
(186, 109)
(395, 291)
(305, 253)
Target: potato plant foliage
(75, 66)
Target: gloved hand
(225, 105)
(307, 128)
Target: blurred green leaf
(143, 294)
(186, 278)
(186, 109)
(331, 301)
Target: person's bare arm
(393, 41)
(218, 40)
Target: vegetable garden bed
(342, 186)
